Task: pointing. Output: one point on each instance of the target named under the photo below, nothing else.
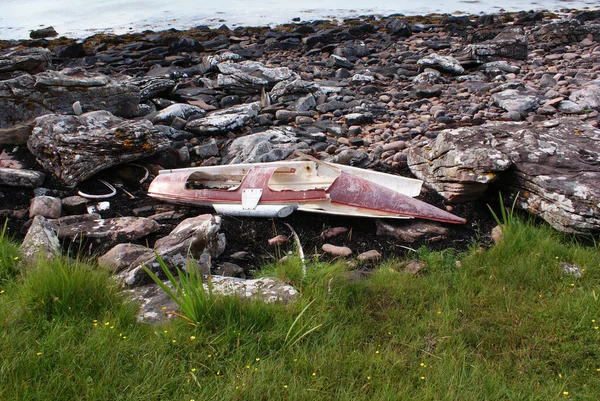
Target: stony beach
(470, 105)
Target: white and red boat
(279, 188)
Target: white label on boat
(250, 198)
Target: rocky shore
(470, 105)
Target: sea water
(82, 18)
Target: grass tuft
(65, 288)
(9, 257)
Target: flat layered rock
(249, 77)
(509, 44)
(24, 97)
(181, 110)
(268, 146)
(32, 60)
(21, 178)
(222, 121)
(75, 148)
(105, 233)
(554, 168)
(153, 86)
(154, 302)
(515, 100)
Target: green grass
(502, 324)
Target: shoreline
(341, 20)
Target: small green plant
(9, 256)
(298, 331)
(195, 302)
(507, 216)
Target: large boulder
(553, 168)
(195, 239)
(24, 96)
(509, 44)
(75, 148)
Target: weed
(194, 301)
(9, 257)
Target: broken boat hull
(277, 189)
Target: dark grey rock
(426, 91)
(228, 269)
(569, 107)
(21, 178)
(196, 239)
(398, 27)
(429, 76)
(74, 205)
(290, 90)
(249, 77)
(547, 81)
(335, 61)
(151, 86)
(47, 32)
(72, 50)
(509, 44)
(32, 60)
(25, 97)
(17, 134)
(207, 150)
